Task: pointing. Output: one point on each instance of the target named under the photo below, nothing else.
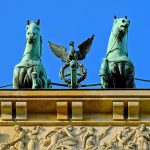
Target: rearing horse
(117, 70)
(30, 73)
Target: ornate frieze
(75, 138)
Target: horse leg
(121, 74)
(103, 73)
(16, 78)
(49, 85)
(113, 75)
(34, 76)
(44, 82)
(22, 74)
(129, 70)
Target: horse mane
(40, 45)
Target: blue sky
(65, 20)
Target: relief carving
(142, 136)
(77, 138)
(124, 136)
(61, 138)
(23, 139)
(90, 138)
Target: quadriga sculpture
(30, 73)
(117, 70)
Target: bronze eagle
(80, 54)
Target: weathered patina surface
(72, 61)
(30, 72)
(117, 70)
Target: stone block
(62, 110)
(118, 110)
(6, 111)
(133, 110)
(77, 111)
(21, 110)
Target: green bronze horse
(117, 70)
(30, 73)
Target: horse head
(120, 26)
(32, 31)
(33, 38)
(118, 37)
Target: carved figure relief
(23, 139)
(142, 136)
(18, 141)
(89, 139)
(124, 136)
(78, 138)
(60, 137)
(34, 141)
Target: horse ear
(115, 17)
(38, 22)
(125, 17)
(28, 22)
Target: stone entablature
(75, 107)
(91, 107)
(82, 119)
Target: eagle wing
(84, 47)
(59, 51)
